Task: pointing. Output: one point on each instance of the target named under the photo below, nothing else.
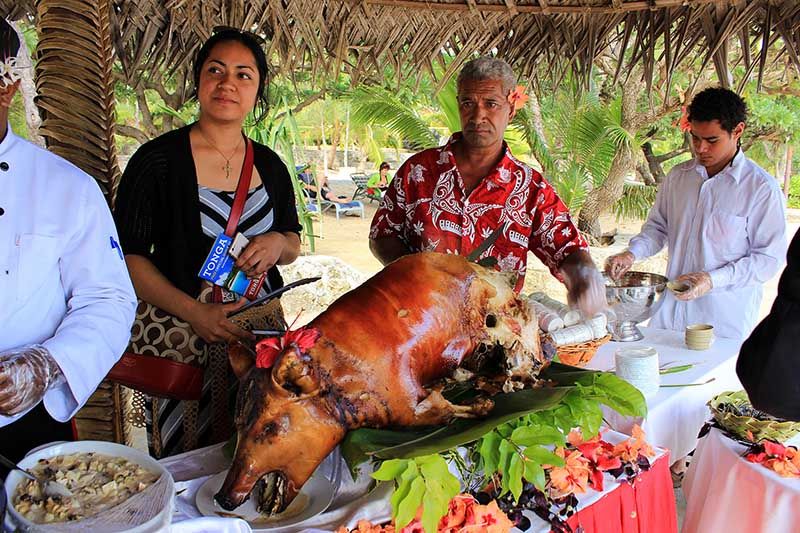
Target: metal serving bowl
(632, 299)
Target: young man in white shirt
(723, 220)
(67, 301)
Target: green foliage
(515, 440)
(423, 481)
(517, 449)
(376, 105)
(581, 138)
(636, 201)
(448, 105)
(16, 116)
(365, 443)
(794, 193)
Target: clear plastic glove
(586, 290)
(699, 284)
(26, 373)
(618, 264)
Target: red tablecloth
(647, 507)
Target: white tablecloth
(724, 492)
(190, 470)
(675, 415)
(353, 501)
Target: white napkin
(208, 524)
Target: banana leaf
(366, 443)
(363, 444)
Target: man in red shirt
(450, 199)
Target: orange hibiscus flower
(571, 478)
(629, 450)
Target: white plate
(315, 496)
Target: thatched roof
(363, 36)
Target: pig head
(284, 427)
(377, 351)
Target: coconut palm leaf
(636, 201)
(375, 105)
(448, 105)
(523, 122)
(572, 185)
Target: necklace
(227, 167)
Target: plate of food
(315, 496)
(106, 483)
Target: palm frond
(448, 104)
(523, 122)
(375, 105)
(636, 201)
(572, 185)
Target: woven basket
(734, 413)
(580, 354)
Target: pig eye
(491, 321)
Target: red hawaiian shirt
(425, 206)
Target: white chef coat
(733, 226)
(63, 280)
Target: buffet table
(649, 506)
(725, 492)
(676, 414)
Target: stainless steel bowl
(632, 299)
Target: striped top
(215, 208)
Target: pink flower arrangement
(587, 460)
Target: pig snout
(229, 502)
(236, 489)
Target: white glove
(26, 374)
(586, 290)
(617, 265)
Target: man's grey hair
(488, 68)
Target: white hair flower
(10, 72)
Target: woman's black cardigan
(157, 209)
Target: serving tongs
(274, 294)
(49, 487)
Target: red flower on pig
(267, 350)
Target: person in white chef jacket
(723, 220)
(66, 300)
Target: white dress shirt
(63, 280)
(733, 226)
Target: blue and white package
(220, 269)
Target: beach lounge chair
(362, 191)
(341, 208)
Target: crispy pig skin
(380, 347)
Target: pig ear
(294, 373)
(242, 359)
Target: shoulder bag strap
(239, 200)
